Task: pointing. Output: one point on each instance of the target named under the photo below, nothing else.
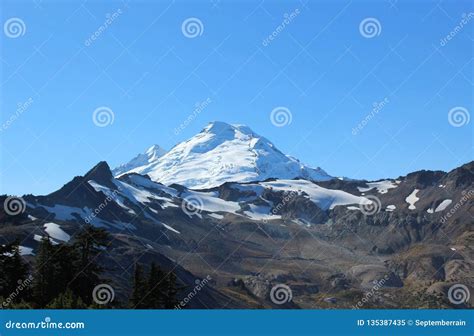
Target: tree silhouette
(13, 273)
(155, 296)
(88, 244)
(139, 288)
(44, 289)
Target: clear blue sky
(150, 75)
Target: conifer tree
(155, 295)
(89, 243)
(171, 291)
(64, 276)
(139, 291)
(64, 263)
(45, 286)
(66, 300)
(13, 272)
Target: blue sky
(319, 66)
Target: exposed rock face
(369, 276)
(315, 237)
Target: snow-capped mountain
(221, 153)
(151, 155)
(346, 235)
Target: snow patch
(412, 199)
(144, 182)
(322, 197)
(112, 194)
(382, 186)
(261, 212)
(25, 250)
(39, 238)
(63, 212)
(208, 201)
(55, 231)
(390, 208)
(170, 228)
(443, 205)
(216, 216)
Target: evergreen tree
(13, 272)
(45, 285)
(88, 245)
(171, 291)
(23, 304)
(67, 300)
(64, 262)
(139, 292)
(56, 270)
(64, 275)
(155, 296)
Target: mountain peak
(78, 187)
(102, 169)
(152, 154)
(220, 153)
(218, 125)
(100, 173)
(155, 151)
(223, 128)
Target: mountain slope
(151, 155)
(222, 153)
(249, 237)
